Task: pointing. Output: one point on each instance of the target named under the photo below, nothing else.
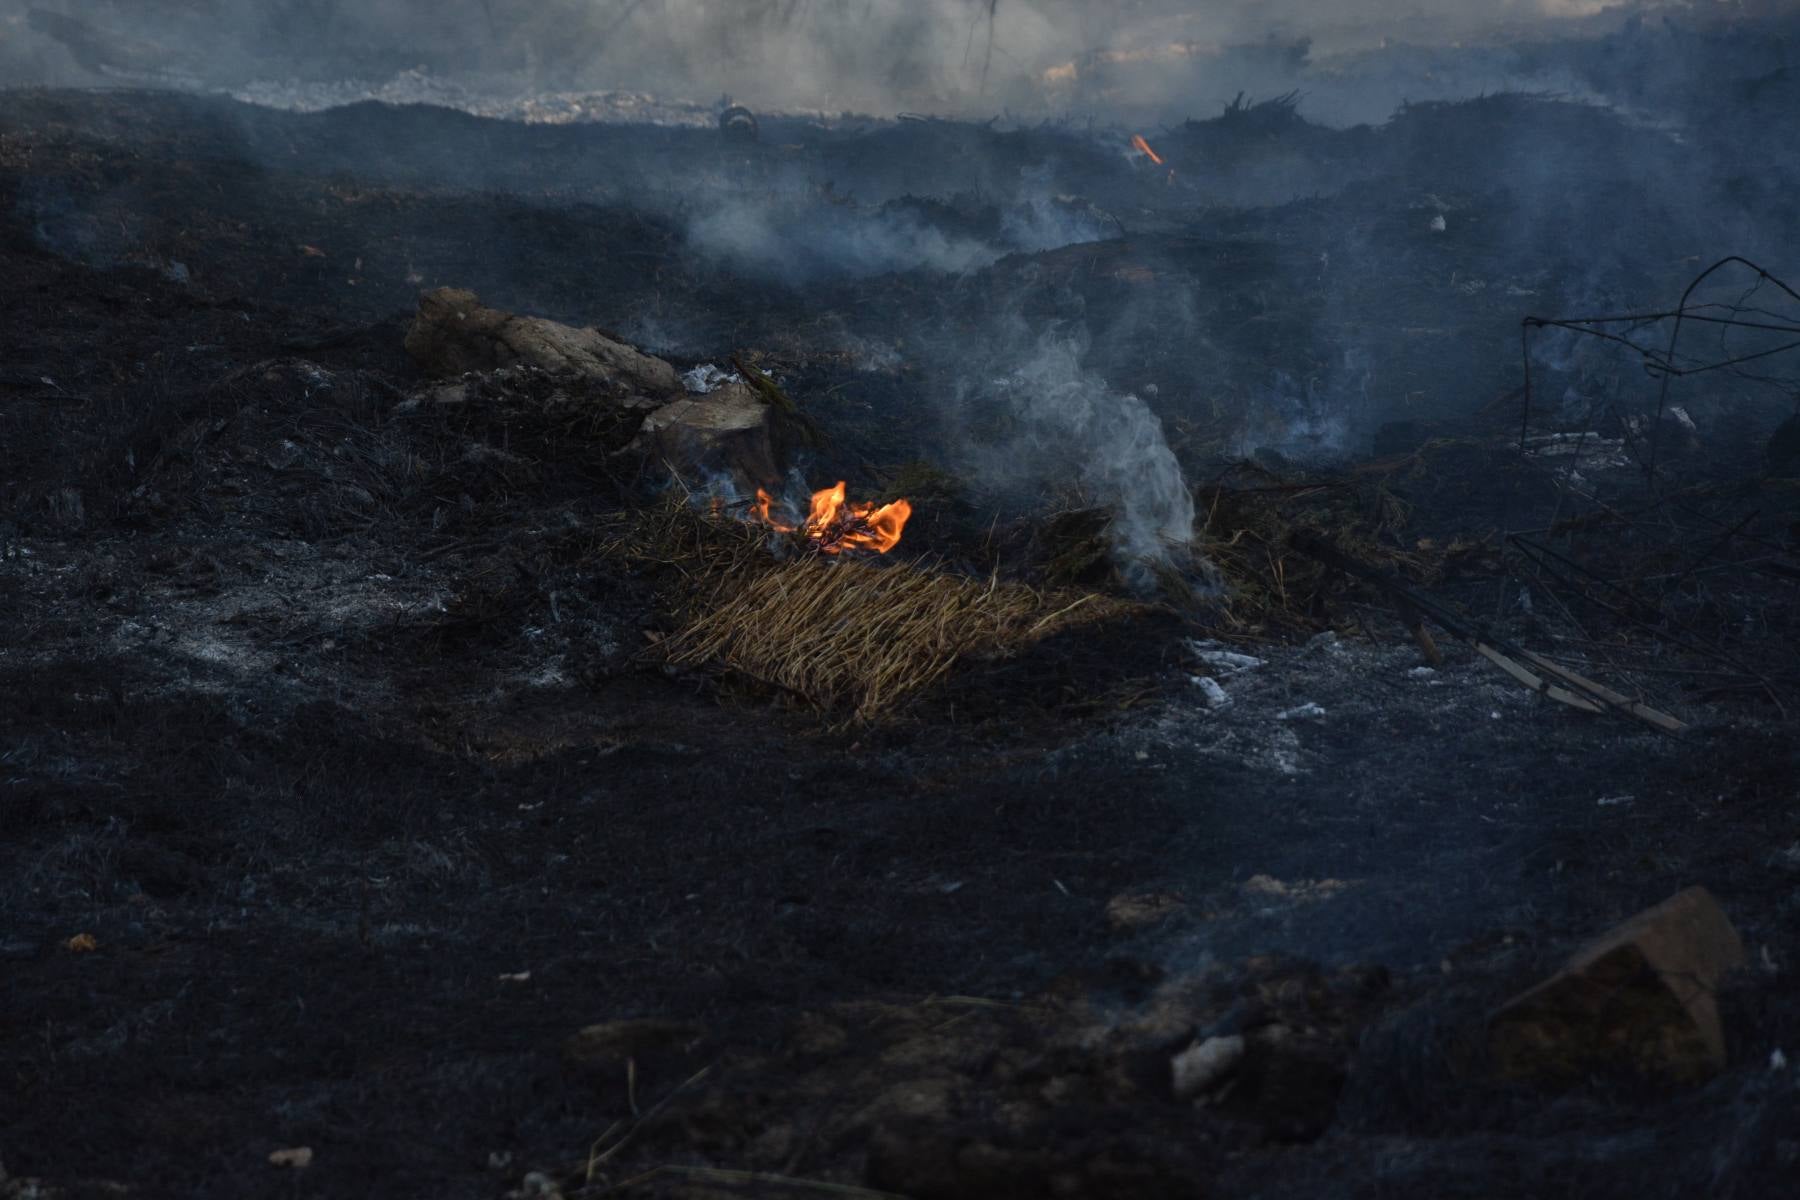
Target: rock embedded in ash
(1129, 912)
(1641, 999)
(623, 1061)
(609, 1044)
(454, 333)
(1204, 1065)
(727, 431)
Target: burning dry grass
(853, 638)
(857, 638)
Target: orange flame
(1138, 143)
(834, 525)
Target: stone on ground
(454, 333)
(1640, 999)
(728, 431)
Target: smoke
(795, 245)
(1033, 420)
(796, 239)
(1126, 57)
(1294, 343)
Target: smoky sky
(875, 56)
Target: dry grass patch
(858, 638)
(853, 638)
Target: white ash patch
(1589, 450)
(708, 377)
(377, 598)
(206, 646)
(1279, 711)
(547, 676)
(1211, 689)
(1226, 731)
(1297, 891)
(1222, 660)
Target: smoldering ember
(951, 599)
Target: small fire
(835, 525)
(1138, 143)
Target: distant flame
(834, 525)
(1138, 143)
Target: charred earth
(388, 770)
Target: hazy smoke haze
(876, 56)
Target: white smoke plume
(797, 244)
(1048, 421)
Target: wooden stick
(1579, 693)
(1536, 684)
(1642, 712)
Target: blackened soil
(326, 720)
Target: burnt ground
(329, 721)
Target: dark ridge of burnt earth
(323, 778)
(1346, 301)
(429, 148)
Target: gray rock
(727, 431)
(1640, 999)
(454, 333)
